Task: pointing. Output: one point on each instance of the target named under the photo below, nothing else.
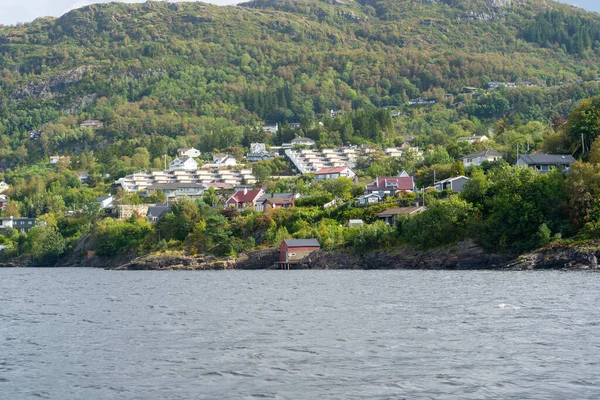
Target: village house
(473, 139)
(293, 251)
(3, 201)
(244, 199)
(92, 123)
(456, 184)
(546, 162)
(276, 200)
(157, 211)
(334, 173)
(391, 185)
(258, 148)
(303, 141)
(183, 164)
(23, 225)
(274, 203)
(83, 176)
(255, 157)
(390, 217)
(189, 152)
(371, 198)
(4, 187)
(55, 159)
(224, 160)
(476, 158)
(106, 202)
(271, 128)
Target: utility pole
(165, 162)
(582, 145)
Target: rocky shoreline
(463, 256)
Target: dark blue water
(94, 334)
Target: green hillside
(199, 74)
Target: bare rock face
(558, 257)
(465, 255)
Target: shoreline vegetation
(461, 256)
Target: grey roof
(302, 242)
(158, 211)
(302, 139)
(102, 198)
(275, 196)
(484, 153)
(547, 159)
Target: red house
(244, 198)
(390, 185)
(294, 250)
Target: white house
(183, 164)
(476, 158)
(105, 202)
(223, 160)
(334, 173)
(371, 198)
(473, 139)
(303, 141)
(191, 152)
(4, 187)
(258, 148)
(456, 184)
(271, 128)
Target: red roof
(332, 170)
(402, 183)
(249, 197)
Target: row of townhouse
(183, 183)
(308, 161)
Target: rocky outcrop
(260, 259)
(558, 257)
(55, 84)
(465, 255)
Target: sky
(13, 11)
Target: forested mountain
(198, 74)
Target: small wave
(507, 306)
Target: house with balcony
(183, 164)
(475, 159)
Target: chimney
(245, 190)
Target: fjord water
(94, 334)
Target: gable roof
(157, 210)
(451, 179)
(547, 159)
(402, 183)
(302, 242)
(278, 200)
(484, 153)
(248, 197)
(331, 170)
